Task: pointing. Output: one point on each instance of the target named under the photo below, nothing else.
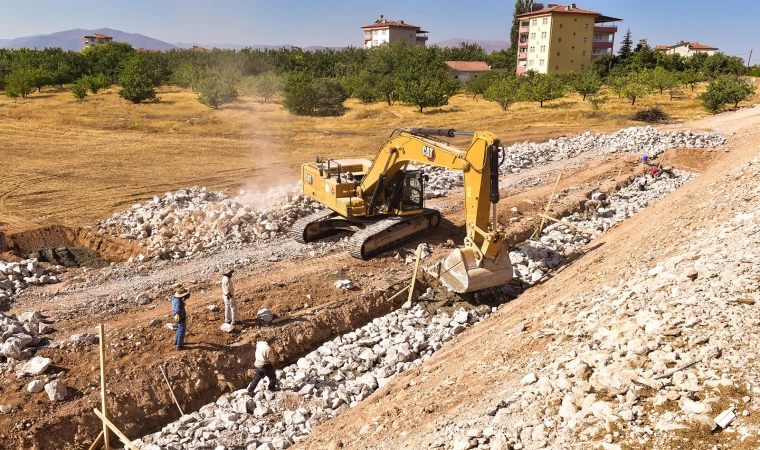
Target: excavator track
(390, 232)
(298, 231)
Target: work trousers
(266, 371)
(179, 338)
(230, 310)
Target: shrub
(215, 91)
(653, 115)
(79, 89)
(136, 84)
(597, 100)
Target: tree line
(318, 83)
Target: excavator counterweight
(382, 203)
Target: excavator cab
(404, 193)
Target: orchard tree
(478, 85)
(215, 91)
(545, 87)
(691, 77)
(663, 79)
(80, 88)
(136, 82)
(423, 80)
(465, 52)
(637, 85)
(362, 86)
(265, 86)
(96, 83)
(20, 83)
(505, 90)
(586, 83)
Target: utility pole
(748, 60)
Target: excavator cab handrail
(338, 173)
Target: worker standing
(180, 315)
(228, 293)
(265, 359)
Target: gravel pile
(524, 156)
(17, 276)
(667, 351)
(321, 385)
(192, 220)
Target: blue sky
(337, 22)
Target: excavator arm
(484, 259)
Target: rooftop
(467, 66)
(99, 36)
(691, 45)
(568, 9)
(382, 23)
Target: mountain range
(72, 40)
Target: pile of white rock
(559, 241)
(324, 383)
(524, 156)
(20, 336)
(192, 220)
(667, 351)
(17, 276)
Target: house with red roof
(464, 71)
(687, 49)
(387, 32)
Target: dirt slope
(464, 380)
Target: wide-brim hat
(181, 292)
(227, 271)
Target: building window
(583, 67)
(584, 53)
(385, 32)
(525, 24)
(541, 62)
(375, 32)
(543, 49)
(530, 63)
(534, 22)
(587, 26)
(545, 21)
(543, 35)
(533, 35)
(585, 40)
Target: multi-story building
(96, 39)
(387, 32)
(687, 49)
(559, 39)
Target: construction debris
(17, 276)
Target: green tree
(109, 59)
(637, 85)
(20, 83)
(215, 91)
(626, 46)
(663, 79)
(136, 82)
(362, 86)
(521, 7)
(265, 86)
(96, 83)
(506, 91)
(465, 52)
(692, 77)
(306, 95)
(478, 85)
(586, 83)
(422, 79)
(79, 89)
(597, 100)
(503, 59)
(330, 95)
(545, 87)
(721, 64)
(42, 78)
(737, 89)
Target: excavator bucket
(461, 272)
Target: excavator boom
(381, 201)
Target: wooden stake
(398, 294)
(171, 391)
(117, 432)
(414, 274)
(617, 180)
(570, 225)
(548, 206)
(667, 147)
(104, 405)
(97, 443)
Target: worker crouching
(264, 365)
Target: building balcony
(602, 44)
(521, 71)
(522, 55)
(367, 38)
(524, 29)
(422, 37)
(605, 30)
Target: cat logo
(428, 152)
(309, 178)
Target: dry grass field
(74, 162)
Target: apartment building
(687, 49)
(96, 39)
(386, 32)
(559, 39)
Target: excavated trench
(70, 247)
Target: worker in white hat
(180, 315)
(228, 294)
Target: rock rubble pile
(192, 220)
(17, 276)
(324, 383)
(20, 337)
(667, 351)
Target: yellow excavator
(382, 202)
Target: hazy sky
(337, 23)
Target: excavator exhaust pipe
(461, 272)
